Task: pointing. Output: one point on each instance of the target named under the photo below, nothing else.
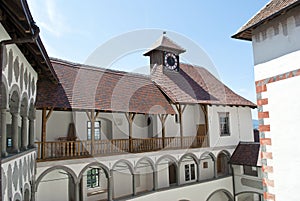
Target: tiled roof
(271, 10)
(195, 85)
(246, 153)
(165, 43)
(84, 87)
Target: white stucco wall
(195, 192)
(284, 118)
(207, 173)
(240, 125)
(58, 124)
(277, 38)
(54, 186)
(239, 175)
(276, 47)
(124, 185)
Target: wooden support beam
(180, 111)
(163, 118)
(204, 109)
(45, 117)
(130, 118)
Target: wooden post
(45, 117)
(163, 118)
(204, 109)
(180, 111)
(130, 117)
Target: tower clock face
(171, 61)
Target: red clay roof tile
(83, 87)
(195, 85)
(246, 153)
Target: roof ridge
(97, 68)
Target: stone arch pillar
(3, 132)
(24, 132)
(15, 131)
(3, 119)
(14, 107)
(31, 118)
(24, 124)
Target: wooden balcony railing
(75, 149)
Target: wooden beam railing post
(180, 111)
(130, 117)
(163, 118)
(204, 110)
(45, 117)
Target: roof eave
(239, 34)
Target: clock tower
(165, 52)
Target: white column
(15, 131)
(77, 189)
(110, 188)
(24, 133)
(133, 184)
(155, 180)
(3, 131)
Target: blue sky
(73, 30)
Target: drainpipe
(233, 182)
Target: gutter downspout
(233, 182)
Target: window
(177, 119)
(205, 165)
(97, 130)
(224, 123)
(189, 172)
(93, 178)
(250, 170)
(9, 142)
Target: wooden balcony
(57, 150)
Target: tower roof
(165, 43)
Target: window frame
(250, 170)
(93, 178)
(96, 128)
(190, 172)
(224, 120)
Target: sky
(75, 30)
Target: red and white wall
(276, 46)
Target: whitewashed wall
(58, 124)
(195, 192)
(276, 47)
(277, 38)
(54, 186)
(240, 125)
(284, 107)
(240, 186)
(207, 173)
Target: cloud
(48, 16)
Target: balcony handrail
(56, 150)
